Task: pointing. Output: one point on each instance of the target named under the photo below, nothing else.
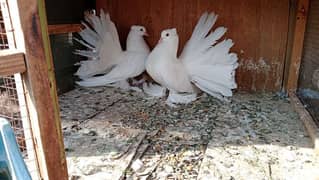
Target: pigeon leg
(154, 90)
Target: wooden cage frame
(293, 68)
(33, 59)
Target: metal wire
(10, 108)
(3, 38)
(9, 101)
(12, 104)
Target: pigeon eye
(141, 29)
(167, 34)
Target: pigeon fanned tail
(210, 65)
(103, 43)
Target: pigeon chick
(203, 64)
(106, 54)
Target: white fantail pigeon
(106, 55)
(203, 64)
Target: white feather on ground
(203, 63)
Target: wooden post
(297, 45)
(39, 83)
(12, 62)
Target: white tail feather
(221, 74)
(89, 36)
(89, 54)
(212, 38)
(211, 66)
(211, 87)
(85, 44)
(103, 44)
(89, 68)
(199, 41)
(98, 81)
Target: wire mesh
(10, 109)
(12, 98)
(3, 38)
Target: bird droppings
(261, 69)
(255, 136)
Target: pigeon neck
(170, 46)
(136, 43)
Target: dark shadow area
(67, 12)
(309, 71)
(64, 59)
(311, 103)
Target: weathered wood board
(258, 28)
(11, 62)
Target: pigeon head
(140, 30)
(168, 34)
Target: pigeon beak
(146, 34)
(160, 40)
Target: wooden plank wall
(310, 59)
(297, 45)
(259, 29)
(309, 70)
